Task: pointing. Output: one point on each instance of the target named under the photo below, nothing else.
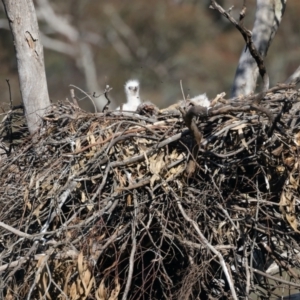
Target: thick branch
(30, 58)
(267, 20)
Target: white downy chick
(201, 100)
(132, 90)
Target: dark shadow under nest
(197, 204)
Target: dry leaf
(239, 127)
(83, 197)
(156, 163)
(85, 281)
(77, 145)
(73, 292)
(115, 292)
(101, 292)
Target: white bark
(267, 20)
(295, 77)
(30, 58)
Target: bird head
(132, 88)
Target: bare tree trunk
(30, 58)
(267, 20)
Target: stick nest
(197, 204)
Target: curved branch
(268, 16)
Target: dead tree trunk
(267, 19)
(30, 58)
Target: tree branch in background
(268, 16)
(255, 56)
(128, 45)
(58, 46)
(83, 55)
(30, 58)
(124, 30)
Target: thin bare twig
(133, 250)
(247, 35)
(211, 248)
(87, 95)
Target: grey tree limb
(268, 16)
(30, 59)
